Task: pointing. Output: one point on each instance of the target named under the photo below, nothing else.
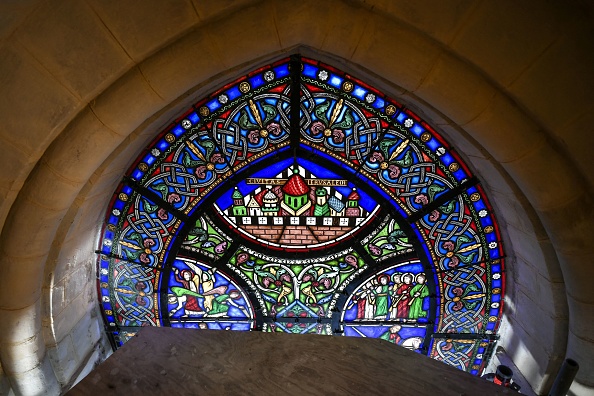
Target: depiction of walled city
(296, 208)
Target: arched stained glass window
(299, 199)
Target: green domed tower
(321, 207)
(238, 204)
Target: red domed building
(296, 200)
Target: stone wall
(291, 234)
(85, 84)
(4, 384)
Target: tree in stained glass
(299, 199)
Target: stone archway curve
(430, 71)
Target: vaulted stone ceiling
(86, 84)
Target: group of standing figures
(399, 296)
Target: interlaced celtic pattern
(345, 123)
(138, 314)
(128, 296)
(400, 164)
(355, 139)
(454, 356)
(414, 181)
(466, 285)
(237, 142)
(450, 227)
(142, 223)
(178, 177)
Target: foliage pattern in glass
(353, 218)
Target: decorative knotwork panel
(130, 301)
(299, 199)
(258, 124)
(138, 230)
(465, 354)
(187, 173)
(337, 124)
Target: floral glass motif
(297, 287)
(207, 239)
(299, 199)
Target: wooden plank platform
(204, 362)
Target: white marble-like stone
(5, 388)
(581, 350)
(12, 15)
(101, 352)
(457, 90)
(562, 71)
(44, 77)
(505, 130)
(64, 359)
(27, 88)
(80, 149)
(529, 356)
(14, 296)
(383, 53)
(86, 333)
(501, 358)
(23, 355)
(575, 142)
(64, 322)
(545, 177)
(216, 9)
(40, 380)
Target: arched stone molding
(154, 91)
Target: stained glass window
(299, 199)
